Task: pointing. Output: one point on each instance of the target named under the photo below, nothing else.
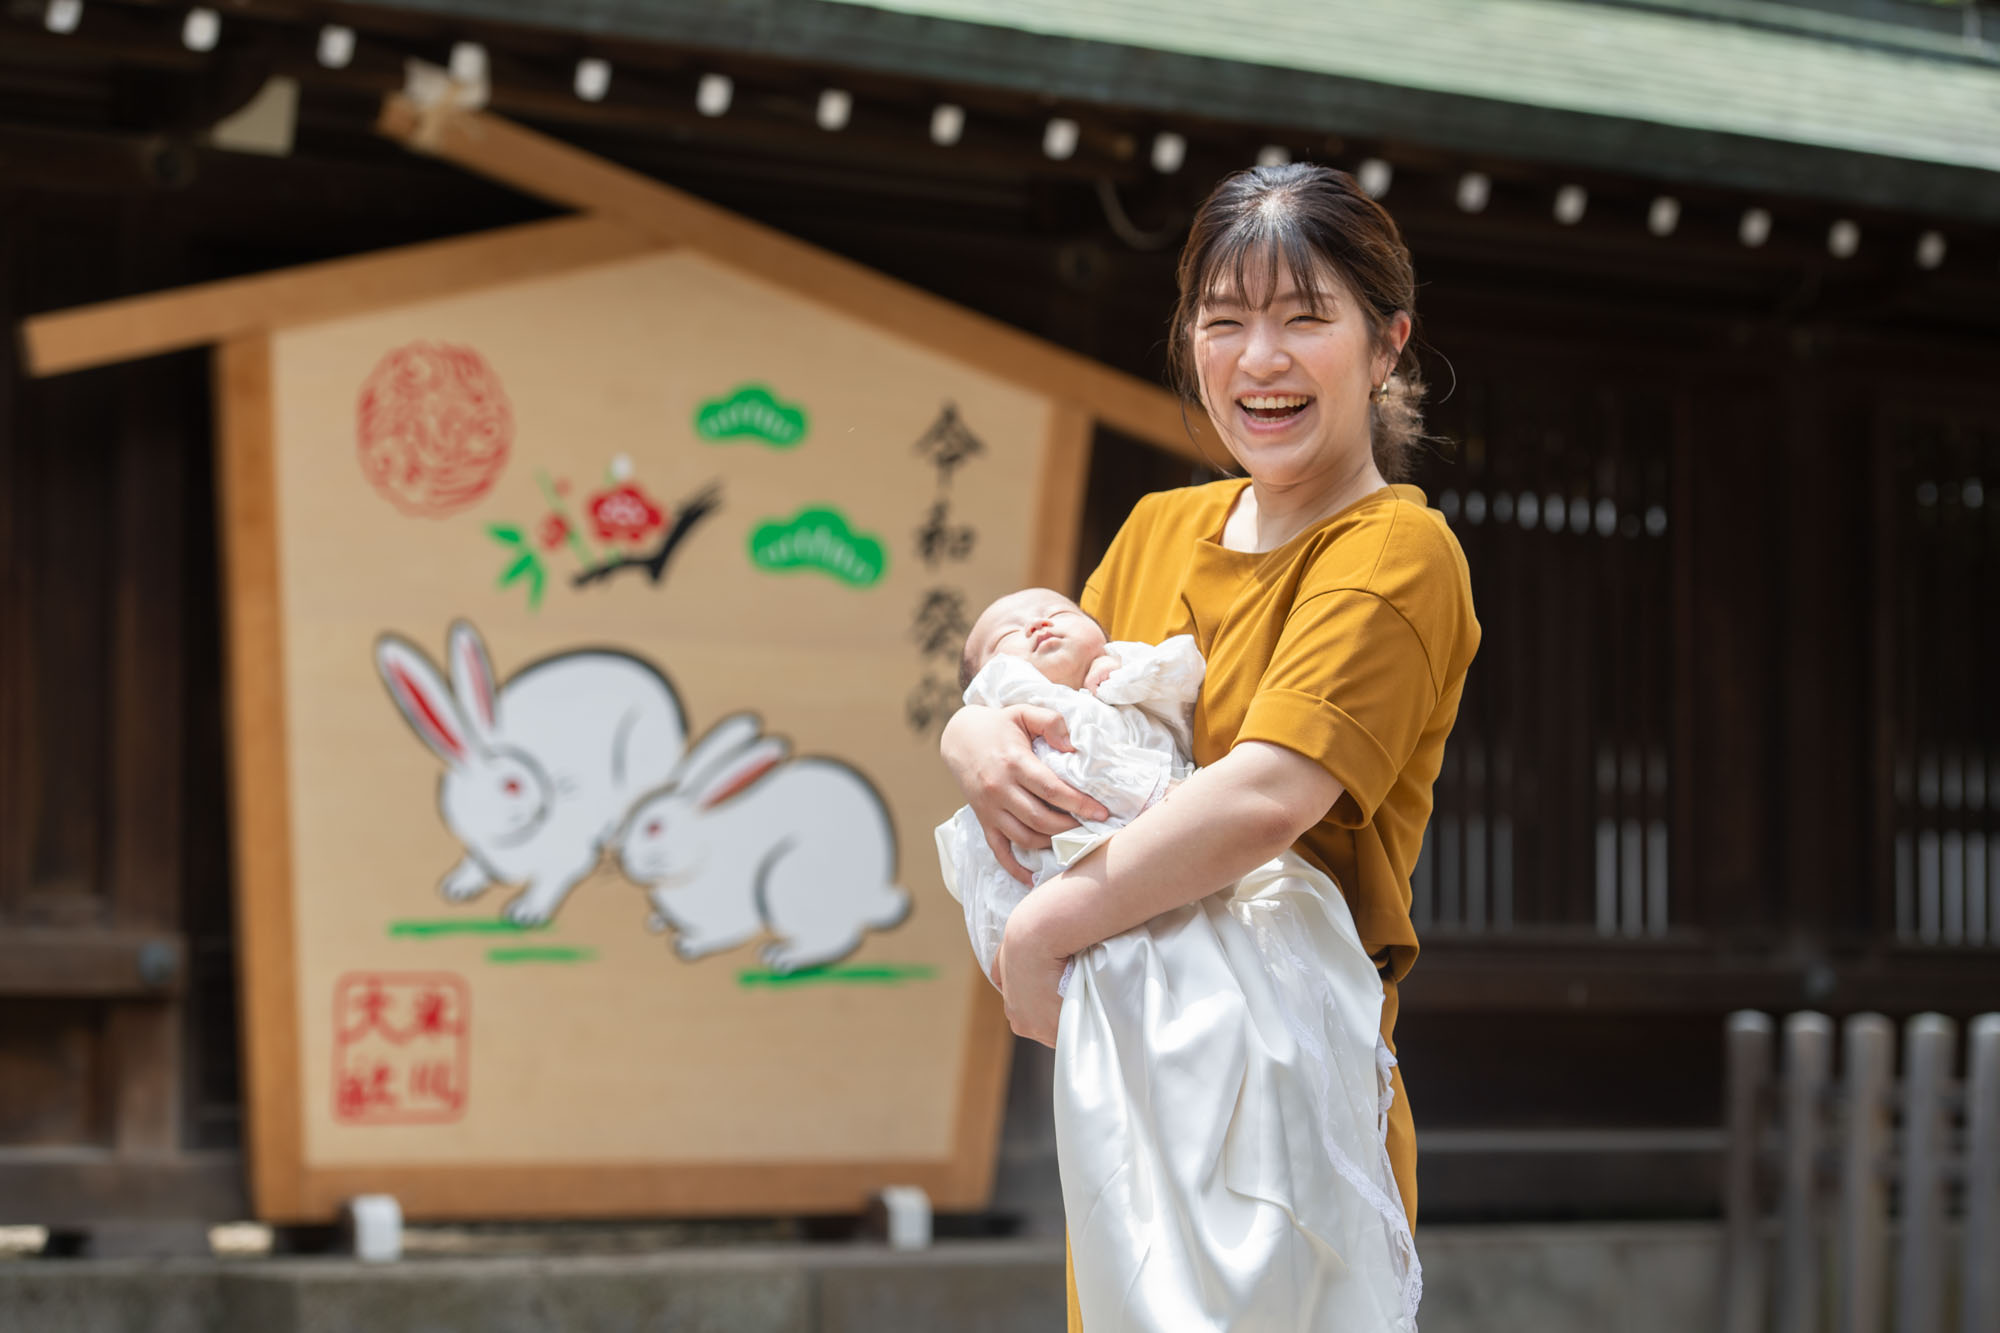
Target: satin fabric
(1220, 1104)
(1222, 1088)
(1131, 742)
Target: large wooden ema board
(595, 596)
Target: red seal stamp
(399, 1047)
(434, 428)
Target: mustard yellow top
(1348, 644)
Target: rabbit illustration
(540, 772)
(743, 840)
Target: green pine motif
(753, 412)
(819, 539)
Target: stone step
(1642, 1278)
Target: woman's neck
(1266, 517)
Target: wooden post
(1868, 1052)
(1808, 1070)
(1979, 1302)
(1065, 476)
(1749, 1080)
(1927, 1047)
(246, 501)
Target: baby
(1127, 707)
(1221, 1086)
(1045, 629)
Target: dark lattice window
(1553, 809)
(1943, 726)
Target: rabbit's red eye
(512, 786)
(653, 829)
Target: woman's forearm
(957, 743)
(1223, 822)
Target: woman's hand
(1026, 971)
(1014, 795)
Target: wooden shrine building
(1710, 305)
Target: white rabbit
(743, 841)
(540, 772)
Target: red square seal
(399, 1047)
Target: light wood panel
(553, 170)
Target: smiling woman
(1335, 613)
(1297, 299)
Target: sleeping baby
(1127, 706)
(1221, 1086)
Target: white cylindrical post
(907, 1210)
(1868, 1050)
(1808, 1069)
(1748, 1090)
(375, 1225)
(1927, 1049)
(1980, 1304)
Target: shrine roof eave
(1716, 92)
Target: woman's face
(1286, 384)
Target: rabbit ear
(742, 769)
(721, 743)
(472, 678)
(423, 698)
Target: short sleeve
(1349, 686)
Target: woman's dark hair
(1309, 219)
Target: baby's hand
(1099, 672)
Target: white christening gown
(1221, 1085)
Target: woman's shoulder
(1419, 536)
(1383, 543)
(1401, 550)
(1196, 511)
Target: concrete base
(1582, 1279)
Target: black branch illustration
(654, 563)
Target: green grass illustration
(460, 926)
(859, 974)
(550, 954)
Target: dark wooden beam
(92, 964)
(79, 1187)
(1609, 976)
(1568, 1174)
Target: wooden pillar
(1727, 545)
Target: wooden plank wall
(108, 949)
(119, 1082)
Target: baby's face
(1044, 629)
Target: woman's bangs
(1246, 261)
